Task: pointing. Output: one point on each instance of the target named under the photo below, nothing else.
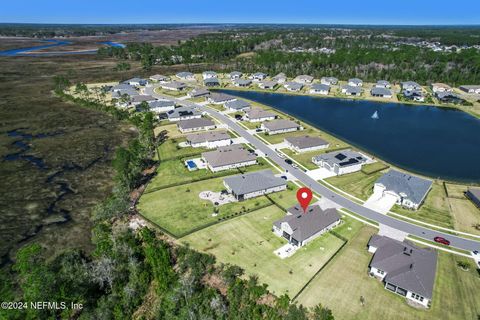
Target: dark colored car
(288, 161)
(442, 240)
(238, 116)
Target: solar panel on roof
(340, 156)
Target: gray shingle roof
(304, 77)
(210, 73)
(139, 80)
(161, 104)
(331, 80)
(183, 111)
(411, 84)
(280, 124)
(235, 74)
(142, 98)
(355, 80)
(293, 85)
(305, 225)
(383, 83)
(174, 85)
(211, 81)
(210, 136)
(343, 158)
(237, 104)
(159, 77)
(128, 92)
(195, 123)
(220, 97)
(243, 82)
(406, 265)
(268, 84)
(320, 87)
(198, 92)
(258, 113)
(352, 89)
(412, 187)
(279, 76)
(122, 86)
(381, 91)
(184, 74)
(253, 181)
(303, 142)
(228, 155)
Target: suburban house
(268, 85)
(254, 184)
(242, 82)
(259, 76)
(209, 74)
(137, 99)
(300, 227)
(173, 86)
(211, 82)
(305, 143)
(123, 90)
(161, 106)
(355, 82)
(197, 124)
(293, 86)
(184, 113)
(441, 87)
(237, 105)
(209, 139)
(340, 162)
(136, 82)
(318, 88)
(219, 98)
(351, 90)
(159, 78)
(280, 78)
(259, 115)
(381, 92)
(404, 268)
(474, 195)
(409, 191)
(304, 79)
(235, 75)
(198, 92)
(448, 97)
(471, 89)
(411, 86)
(383, 84)
(188, 76)
(329, 81)
(229, 157)
(415, 95)
(280, 126)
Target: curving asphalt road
(412, 229)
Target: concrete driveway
(380, 203)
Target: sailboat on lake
(375, 115)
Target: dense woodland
(369, 54)
(135, 274)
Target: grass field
(342, 282)
(173, 171)
(169, 149)
(374, 167)
(169, 130)
(357, 184)
(248, 242)
(287, 198)
(179, 209)
(434, 210)
(170, 92)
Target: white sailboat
(375, 115)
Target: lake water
(52, 43)
(436, 142)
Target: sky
(374, 12)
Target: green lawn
(434, 210)
(169, 149)
(173, 171)
(342, 282)
(179, 209)
(357, 184)
(248, 242)
(287, 198)
(170, 92)
(374, 167)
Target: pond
(436, 142)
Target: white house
(305, 143)
(383, 84)
(173, 85)
(303, 79)
(293, 86)
(280, 78)
(351, 90)
(441, 87)
(409, 191)
(254, 184)
(242, 82)
(299, 227)
(161, 106)
(237, 105)
(209, 74)
(235, 75)
(381, 92)
(209, 140)
(268, 85)
(184, 113)
(404, 268)
(187, 76)
(471, 89)
(229, 157)
(329, 81)
(355, 82)
(220, 98)
(136, 82)
(280, 126)
(259, 76)
(318, 88)
(197, 124)
(411, 86)
(259, 115)
(198, 92)
(159, 78)
(340, 162)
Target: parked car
(281, 155)
(294, 165)
(442, 240)
(288, 161)
(238, 116)
(258, 130)
(283, 177)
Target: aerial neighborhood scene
(240, 160)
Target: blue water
(436, 142)
(53, 43)
(191, 164)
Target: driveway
(380, 203)
(320, 173)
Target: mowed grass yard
(174, 172)
(344, 280)
(309, 131)
(465, 214)
(357, 184)
(249, 242)
(169, 149)
(179, 209)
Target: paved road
(412, 229)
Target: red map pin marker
(304, 196)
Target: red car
(442, 241)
